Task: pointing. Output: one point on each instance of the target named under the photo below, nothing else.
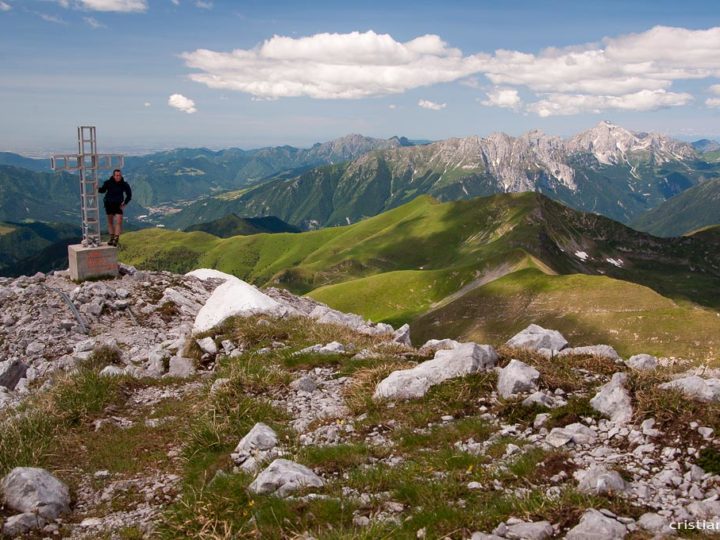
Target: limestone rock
(539, 530)
(536, 337)
(22, 523)
(613, 400)
(517, 377)
(447, 364)
(696, 387)
(596, 526)
(255, 447)
(598, 480)
(181, 367)
(11, 371)
(543, 399)
(207, 345)
(402, 335)
(606, 351)
(282, 477)
(642, 362)
(30, 489)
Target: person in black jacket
(117, 196)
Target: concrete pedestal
(92, 262)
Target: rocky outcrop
(538, 338)
(283, 477)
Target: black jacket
(116, 190)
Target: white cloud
(175, 2)
(4, 6)
(392, 106)
(93, 22)
(147, 104)
(331, 66)
(204, 4)
(507, 98)
(629, 72)
(645, 100)
(715, 89)
(122, 6)
(182, 103)
(51, 18)
(712, 102)
(426, 104)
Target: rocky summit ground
(159, 405)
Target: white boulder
(696, 387)
(282, 477)
(255, 447)
(642, 362)
(613, 400)
(595, 525)
(235, 298)
(536, 337)
(517, 377)
(30, 489)
(598, 480)
(447, 364)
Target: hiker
(117, 196)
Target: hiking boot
(113, 240)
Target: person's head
(117, 175)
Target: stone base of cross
(90, 259)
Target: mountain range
(607, 170)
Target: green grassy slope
(692, 209)
(586, 309)
(396, 265)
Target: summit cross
(88, 163)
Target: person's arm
(104, 187)
(128, 194)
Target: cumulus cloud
(431, 105)
(506, 98)
(147, 104)
(204, 4)
(175, 2)
(121, 6)
(713, 102)
(632, 72)
(51, 18)
(93, 22)
(4, 6)
(331, 66)
(181, 103)
(644, 100)
(715, 89)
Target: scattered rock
(207, 345)
(402, 335)
(696, 387)
(413, 383)
(539, 530)
(282, 477)
(642, 362)
(30, 489)
(181, 367)
(613, 400)
(257, 446)
(517, 377)
(605, 351)
(595, 525)
(536, 337)
(598, 480)
(11, 371)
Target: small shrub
(709, 460)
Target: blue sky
(154, 74)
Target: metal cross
(88, 163)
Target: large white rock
(234, 298)
(22, 523)
(517, 377)
(282, 477)
(209, 273)
(255, 447)
(598, 480)
(29, 489)
(575, 433)
(596, 526)
(613, 400)
(465, 359)
(696, 387)
(536, 337)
